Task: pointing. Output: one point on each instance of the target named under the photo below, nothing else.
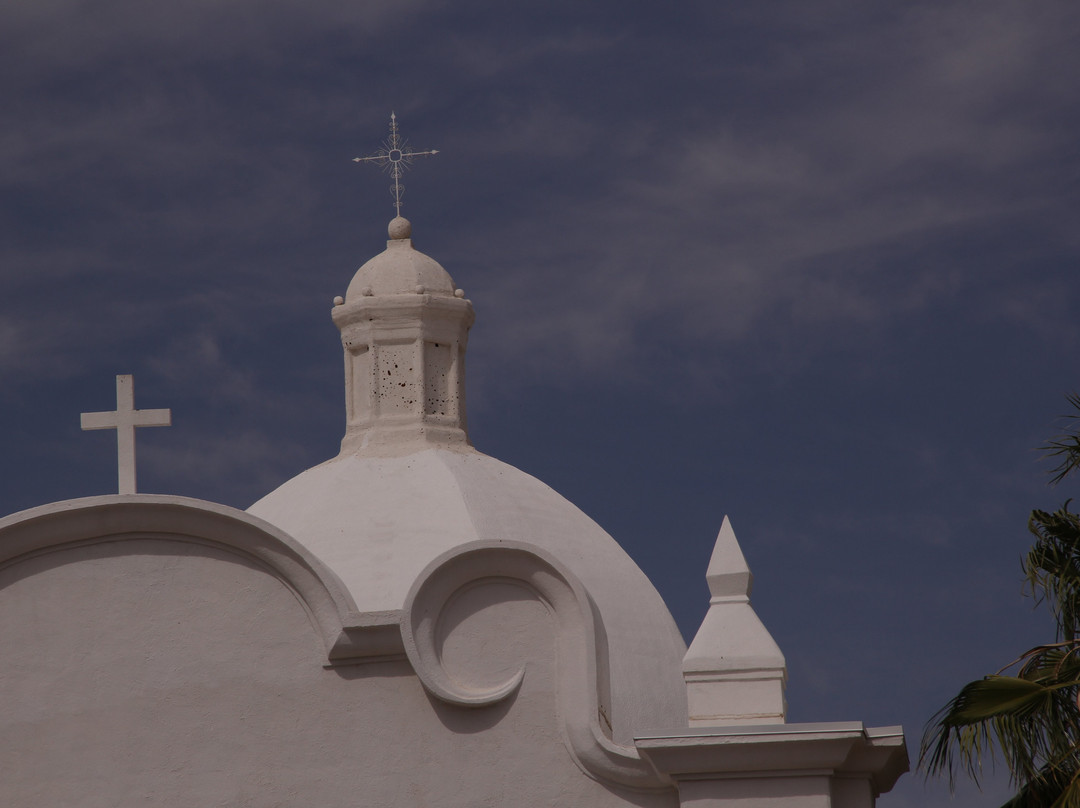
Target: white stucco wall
(149, 670)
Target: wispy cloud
(720, 223)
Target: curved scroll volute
(580, 650)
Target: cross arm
(152, 417)
(98, 420)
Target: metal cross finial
(124, 419)
(394, 157)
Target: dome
(378, 521)
(400, 269)
(408, 486)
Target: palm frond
(1031, 722)
(1066, 446)
(1057, 786)
(1070, 795)
(1058, 663)
(1052, 566)
(1030, 719)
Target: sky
(810, 265)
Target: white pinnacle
(728, 574)
(734, 670)
(124, 419)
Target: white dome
(408, 487)
(378, 521)
(400, 269)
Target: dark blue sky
(813, 266)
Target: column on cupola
(404, 328)
(735, 672)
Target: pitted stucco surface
(151, 672)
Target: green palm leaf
(1031, 719)
(1066, 447)
(996, 696)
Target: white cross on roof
(124, 419)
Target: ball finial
(399, 228)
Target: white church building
(411, 624)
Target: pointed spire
(734, 670)
(728, 573)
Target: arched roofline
(346, 633)
(351, 636)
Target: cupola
(404, 328)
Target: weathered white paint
(124, 419)
(734, 670)
(404, 328)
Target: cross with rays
(394, 157)
(124, 419)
